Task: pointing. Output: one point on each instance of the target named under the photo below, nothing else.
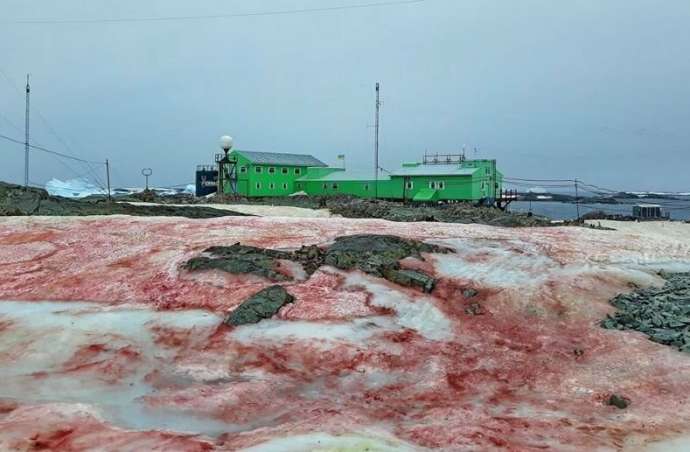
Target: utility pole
(107, 176)
(376, 141)
(577, 199)
(26, 135)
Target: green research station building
(269, 174)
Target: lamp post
(226, 145)
(146, 172)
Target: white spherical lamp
(226, 143)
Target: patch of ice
(324, 442)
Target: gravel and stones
(663, 314)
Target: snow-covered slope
(106, 342)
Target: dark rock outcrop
(262, 305)
(19, 201)
(663, 314)
(241, 259)
(377, 255)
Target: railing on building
(443, 159)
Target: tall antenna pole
(376, 141)
(577, 199)
(107, 176)
(26, 136)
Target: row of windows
(271, 186)
(271, 170)
(434, 185)
(334, 186)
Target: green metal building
(257, 174)
(437, 178)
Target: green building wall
(264, 180)
(257, 180)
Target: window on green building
(366, 187)
(285, 187)
(271, 170)
(325, 186)
(284, 170)
(258, 185)
(271, 186)
(335, 186)
(299, 185)
(409, 185)
(243, 169)
(258, 169)
(432, 185)
(298, 170)
(441, 185)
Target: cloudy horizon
(589, 90)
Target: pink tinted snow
(523, 364)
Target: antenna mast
(376, 142)
(26, 136)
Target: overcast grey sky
(594, 89)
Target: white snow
(258, 210)
(323, 442)
(355, 331)
(49, 333)
(419, 314)
(494, 263)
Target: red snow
(525, 367)
(51, 428)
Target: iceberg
(73, 188)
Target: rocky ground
(661, 313)
(124, 333)
(350, 207)
(15, 200)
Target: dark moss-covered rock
(380, 255)
(377, 255)
(411, 278)
(618, 401)
(262, 305)
(663, 314)
(241, 259)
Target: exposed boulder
(618, 401)
(262, 305)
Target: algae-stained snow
(107, 342)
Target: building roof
(434, 170)
(276, 158)
(337, 176)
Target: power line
(213, 16)
(10, 122)
(506, 178)
(49, 151)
